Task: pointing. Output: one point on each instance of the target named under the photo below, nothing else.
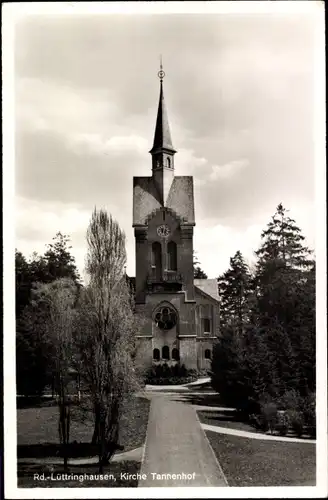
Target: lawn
(37, 436)
(233, 420)
(39, 425)
(252, 462)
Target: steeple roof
(162, 136)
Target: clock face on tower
(163, 231)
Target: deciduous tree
(107, 331)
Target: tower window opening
(156, 259)
(166, 352)
(168, 162)
(172, 256)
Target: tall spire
(162, 136)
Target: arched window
(208, 354)
(175, 354)
(156, 354)
(172, 256)
(168, 162)
(156, 259)
(165, 352)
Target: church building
(181, 314)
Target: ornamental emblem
(163, 231)
(165, 318)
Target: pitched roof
(146, 199)
(208, 286)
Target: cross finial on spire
(161, 73)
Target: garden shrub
(258, 421)
(163, 374)
(269, 412)
(290, 400)
(309, 414)
(282, 423)
(296, 420)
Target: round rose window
(165, 318)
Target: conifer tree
(283, 244)
(59, 261)
(284, 302)
(234, 290)
(276, 355)
(198, 271)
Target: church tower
(163, 221)
(162, 151)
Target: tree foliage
(107, 329)
(57, 300)
(272, 350)
(32, 365)
(59, 261)
(198, 272)
(234, 290)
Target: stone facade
(181, 315)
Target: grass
(27, 479)
(227, 419)
(252, 462)
(37, 436)
(233, 420)
(39, 425)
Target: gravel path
(177, 451)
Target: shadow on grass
(224, 416)
(44, 450)
(35, 401)
(200, 399)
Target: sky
(239, 89)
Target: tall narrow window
(168, 162)
(175, 354)
(156, 354)
(156, 259)
(172, 256)
(206, 325)
(165, 352)
(208, 354)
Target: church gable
(145, 199)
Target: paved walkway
(177, 445)
(255, 435)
